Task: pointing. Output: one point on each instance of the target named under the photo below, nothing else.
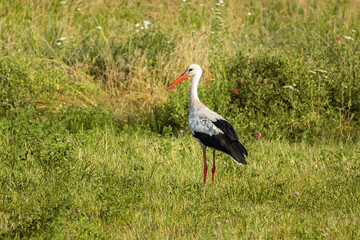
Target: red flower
(37, 119)
(235, 90)
(257, 136)
(338, 36)
(240, 82)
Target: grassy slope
(129, 185)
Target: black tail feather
(238, 152)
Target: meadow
(93, 147)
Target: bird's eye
(190, 69)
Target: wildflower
(226, 221)
(306, 232)
(146, 24)
(297, 193)
(289, 87)
(28, 138)
(37, 119)
(63, 2)
(184, 0)
(323, 114)
(57, 139)
(232, 233)
(348, 38)
(98, 27)
(218, 223)
(67, 141)
(315, 207)
(338, 36)
(137, 25)
(346, 169)
(11, 139)
(215, 233)
(35, 140)
(26, 98)
(78, 211)
(258, 136)
(249, 13)
(235, 90)
(327, 229)
(326, 234)
(240, 82)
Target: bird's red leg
(214, 168)
(205, 167)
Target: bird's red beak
(179, 79)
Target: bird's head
(190, 71)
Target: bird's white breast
(201, 120)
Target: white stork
(208, 127)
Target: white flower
(142, 28)
(146, 24)
(348, 38)
(63, 2)
(184, 0)
(201, 5)
(249, 13)
(78, 9)
(62, 39)
(58, 43)
(137, 25)
(99, 27)
(353, 30)
(290, 87)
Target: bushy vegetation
(93, 147)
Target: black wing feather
(228, 130)
(227, 142)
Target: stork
(209, 128)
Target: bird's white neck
(193, 97)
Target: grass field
(93, 147)
(125, 185)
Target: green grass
(93, 147)
(128, 185)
